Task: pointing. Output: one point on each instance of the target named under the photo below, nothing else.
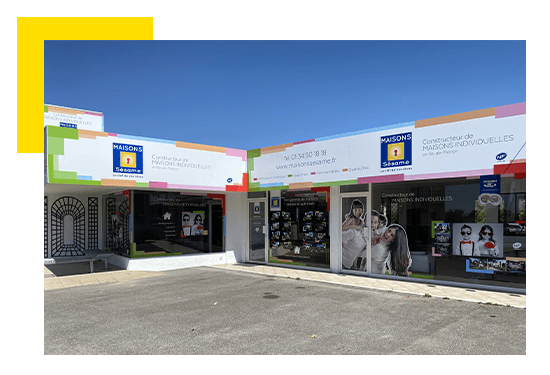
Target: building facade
(441, 199)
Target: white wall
(166, 263)
(235, 225)
(335, 232)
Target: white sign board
(105, 157)
(469, 147)
(73, 118)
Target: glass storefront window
(456, 231)
(167, 223)
(299, 231)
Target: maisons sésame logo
(396, 150)
(127, 158)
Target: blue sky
(251, 94)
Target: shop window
(457, 233)
(167, 223)
(299, 230)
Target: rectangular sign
(471, 147)
(73, 118)
(275, 204)
(127, 158)
(396, 150)
(84, 157)
(489, 184)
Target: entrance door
(356, 232)
(257, 231)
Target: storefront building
(442, 199)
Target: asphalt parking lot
(212, 311)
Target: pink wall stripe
(112, 134)
(95, 114)
(299, 143)
(194, 187)
(510, 110)
(157, 184)
(235, 152)
(478, 172)
(385, 178)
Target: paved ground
(215, 310)
(466, 293)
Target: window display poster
(389, 242)
(491, 266)
(193, 224)
(478, 239)
(441, 233)
(355, 233)
(275, 201)
(299, 231)
(489, 184)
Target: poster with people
(388, 242)
(193, 224)
(478, 240)
(354, 233)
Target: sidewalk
(78, 274)
(445, 292)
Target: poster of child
(478, 239)
(378, 226)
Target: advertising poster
(442, 238)
(389, 243)
(355, 233)
(275, 201)
(192, 223)
(299, 232)
(478, 240)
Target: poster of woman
(391, 252)
(389, 244)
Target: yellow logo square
(396, 151)
(128, 159)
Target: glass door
(257, 231)
(359, 227)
